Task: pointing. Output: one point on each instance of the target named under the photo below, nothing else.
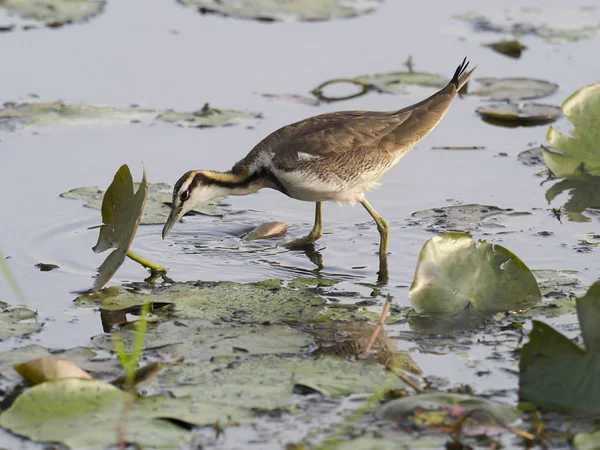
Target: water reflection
(584, 194)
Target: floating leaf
(271, 10)
(581, 148)
(454, 273)
(512, 115)
(199, 340)
(511, 48)
(555, 373)
(13, 321)
(266, 230)
(531, 157)
(121, 213)
(156, 209)
(469, 217)
(587, 441)
(85, 414)
(207, 117)
(53, 13)
(43, 369)
(514, 89)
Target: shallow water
(166, 56)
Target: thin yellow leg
(314, 234)
(145, 262)
(383, 228)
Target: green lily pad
(514, 89)
(86, 414)
(16, 321)
(156, 209)
(121, 213)
(587, 441)
(268, 381)
(513, 115)
(199, 340)
(469, 217)
(207, 117)
(511, 48)
(388, 83)
(584, 196)
(583, 110)
(552, 24)
(271, 10)
(53, 13)
(453, 273)
(18, 115)
(557, 374)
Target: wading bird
(330, 157)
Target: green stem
(145, 262)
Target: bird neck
(229, 183)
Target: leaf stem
(145, 262)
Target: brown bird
(330, 157)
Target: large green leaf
(121, 213)
(583, 110)
(86, 414)
(156, 209)
(270, 10)
(453, 273)
(555, 373)
(54, 13)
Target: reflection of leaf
(557, 374)
(513, 115)
(514, 89)
(453, 273)
(54, 13)
(83, 414)
(269, 10)
(155, 209)
(43, 369)
(121, 213)
(583, 194)
(583, 110)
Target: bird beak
(174, 216)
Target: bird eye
(184, 196)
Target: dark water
(161, 55)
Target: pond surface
(166, 56)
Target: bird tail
(461, 77)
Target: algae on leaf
(453, 273)
(54, 13)
(156, 209)
(555, 373)
(270, 10)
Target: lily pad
(389, 83)
(587, 441)
(18, 115)
(86, 414)
(512, 115)
(469, 217)
(17, 321)
(552, 24)
(557, 374)
(271, 10)
(531, 157)
(199, 340)
(121, 213)
(453, 273)
(511, 48)
(581, 147)
(207, 117)
(53, 13)
(156, 209)
(514, 89)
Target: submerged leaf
(454, 273)
(512, 115)
(514, 89)
(583, 111)
(47, 369)
(121, 213)
(555, 373)
(270, 10)
(54, 13)
(12, 321)
(156, 209)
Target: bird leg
(314, 234)
(383, 228)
